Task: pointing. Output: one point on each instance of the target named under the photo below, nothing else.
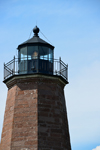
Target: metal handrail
(55, 67)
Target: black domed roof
(35, 40)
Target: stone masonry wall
(25, 127)
(8, 120)
(53, 132)
(35, 115)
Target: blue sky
(73, 27)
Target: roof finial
(36, 31)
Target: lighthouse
(35, 115)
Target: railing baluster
(4, 70)
(14, 65)
(60, 64)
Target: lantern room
(35, 55)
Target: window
(23, 53)
(32, 52)
(23, 60)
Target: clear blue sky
(73, 27)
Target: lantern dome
(35, 55)
(35, 40)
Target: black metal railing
(52, 67)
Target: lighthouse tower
(35, 114)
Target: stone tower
(35, 115)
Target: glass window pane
(32, 52)
(23, 53)
(50, 55)
(23, 60)
(44, 52)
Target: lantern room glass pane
(23, 60)
(32, 52)
(45, 60)
(23, 53)
(44, 52)
(50, 55)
